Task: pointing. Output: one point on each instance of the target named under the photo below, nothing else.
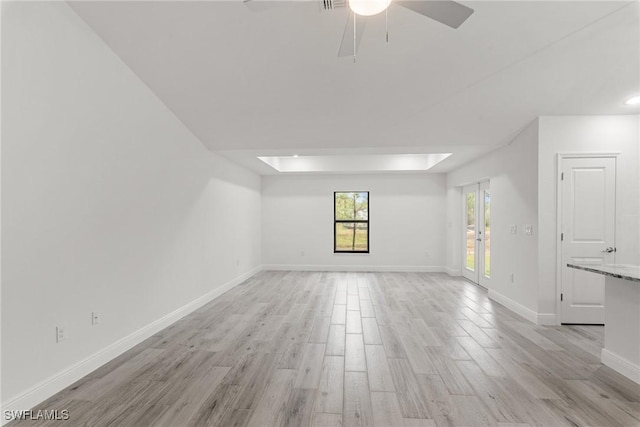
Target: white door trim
(559, 158)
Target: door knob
(609, 250)
(479, 240)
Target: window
(351, 222)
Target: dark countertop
(620, 271)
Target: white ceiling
(269, 83)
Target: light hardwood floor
(355, 349)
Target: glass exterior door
(476, 225)
(484, 230)
(470, 232)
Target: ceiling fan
(447, 12)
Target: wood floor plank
(382, 313)
(192, 397)
(409, 394)
(486, 362)
(336, 340)
(354, 357)
(330, 388)
(425, 333)
(477, 334)
(272, 405)
(445, 367)
(298, 410)
(392, 345)
(336, 348)
(370, 331)
(420, 361)
(311, 366)
(506, 400)
(378, 369)
(217, 404)
(320, 331)
(386, 409)
(93, 390)
(529, 332)
(469, 411)
(339, 315)
(341, 297)
(354, 324)
(522, 375)
(353, 302)
(366, 308)
(357, 400)
(234, 418)
(255, 381)
(418, 422)
(618, 411)
(326, 420)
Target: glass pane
(470, 208)
(353, 205)
(487, 233)
(351, 236)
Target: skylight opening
(355, 163)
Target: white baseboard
(455, 272)
(63, 379)
(516, 307)
(363, 268)
(532, 316)
(621, 365)
(547, 319)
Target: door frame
(559, 159)
(479, 188)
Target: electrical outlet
(528, 230)
(514, 229)
(95, 318)
(60, 333)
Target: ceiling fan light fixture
(368, 7)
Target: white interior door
(476, 254)
(588, 234)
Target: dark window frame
(355, 221)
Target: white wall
(109, 203)
(407, 216)
(588, 134)
(512, 172)
(523, 188)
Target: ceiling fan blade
(346, 46)
(447, 12)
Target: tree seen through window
(351, 224)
